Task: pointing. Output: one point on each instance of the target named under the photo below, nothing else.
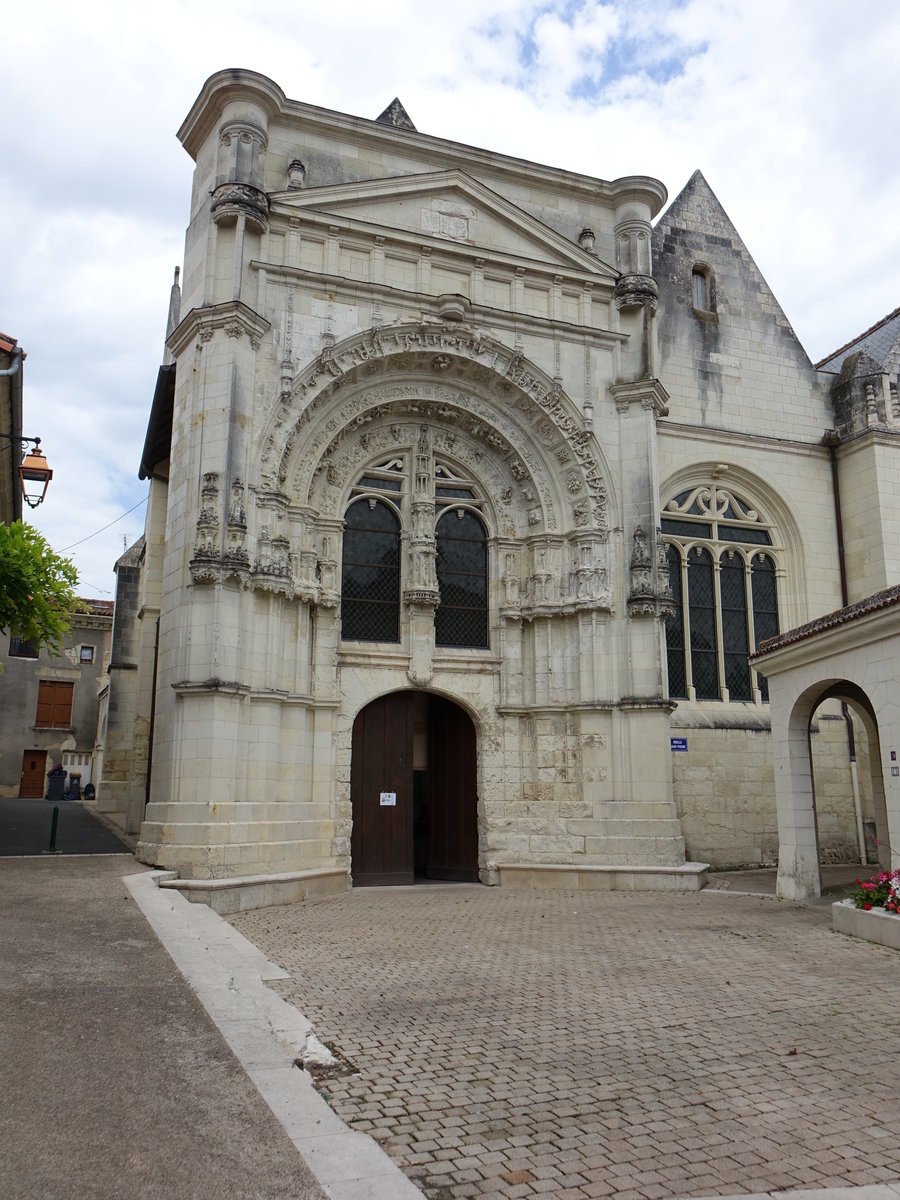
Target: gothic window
(725, 594)
(370, 573)
(372, 564)
(462, 616)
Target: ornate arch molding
(446, 375)
(510, 500)
(772, 506)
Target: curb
(267, 1036)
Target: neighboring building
(48, 703)
(471, 493)
(11, 360)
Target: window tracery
(725, 593)
(438, 514)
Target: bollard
(54, 821)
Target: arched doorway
(413, 791)
(799, 853)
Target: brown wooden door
(34, 764)
(452, 794)
(382, 767)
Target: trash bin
(56, 783)
(75, 785)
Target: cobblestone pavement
(636, 1046)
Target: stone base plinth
(872, 926)
(686, 877)
(241, 893)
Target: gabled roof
(878, 343)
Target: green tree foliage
(37, 587)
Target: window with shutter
(54, 706)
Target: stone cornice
(226, 87)
(863, 438)
(735, 437)
(497, 318)
(234, 317)
(649, 393)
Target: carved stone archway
(441, 372)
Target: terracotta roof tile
(885, 599)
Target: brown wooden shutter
(54, 706)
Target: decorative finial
(296, 175)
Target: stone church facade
(471, 492)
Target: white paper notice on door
(388, 799)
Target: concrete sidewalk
(113, 1080)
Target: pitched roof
(99, 608)
(877, 342)
(841, 616)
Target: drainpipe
(832, 440)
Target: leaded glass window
(461, 619)
(370, 573)
(381, 554)
(725, 594)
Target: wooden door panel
(34, 765)
(453, 799)
(382, 760)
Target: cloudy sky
(789, 107)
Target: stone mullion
(751, 626)
(717, 612)
(686, 627)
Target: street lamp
(34, 474)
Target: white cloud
(787, 107)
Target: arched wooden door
(413, 791)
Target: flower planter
(876, 925)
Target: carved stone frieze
(231, 200)
(637, 291)
(342, 445)
(485, 373)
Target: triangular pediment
(449, 207)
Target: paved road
(25, 827)
(114, 1083)
(634, 1046)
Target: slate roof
(877, 342)
(158, 442)
(841, 616)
